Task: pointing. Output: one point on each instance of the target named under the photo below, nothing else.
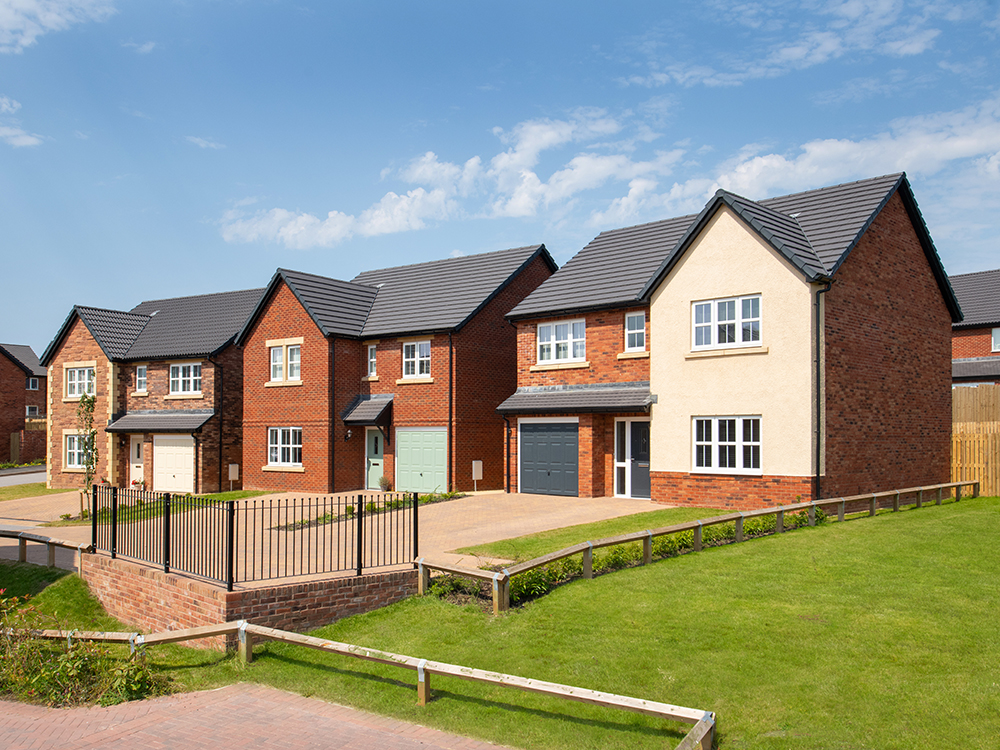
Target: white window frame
(743, 445)
(372, 360)
(32, 384)
(285, 362)
(75, 376)
(996, 340)
(74, 456)
(180, 379)
(282, 442)
(623, 462)
(417, 359)
(141, 374)
(28, 408)
(639, 333)
(705, 330)
(572, 334)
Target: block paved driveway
(231, 718)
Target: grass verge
(32, 489)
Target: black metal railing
(235, 541)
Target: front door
(632, 458)
(135, 475)
(374, 457)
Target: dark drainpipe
(819, 390)
(506, 432)
(451, 398)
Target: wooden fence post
(920, 498)
(697, 537)
(874, 507)
(779, 522)
(895, 503)
(22, 550)
(51, 549)
(588, 561)
(647, 548)
(423, 684)
(958, 492)
(423, 577)
(840, 511)
(975, 490)
(501, 592)
(938, 497)
(246, 643)
(739, 527)
(812, 515)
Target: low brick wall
(152, 601)
(729, 492)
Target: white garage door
(173, 463)
(421, 460)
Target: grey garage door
(549, 458)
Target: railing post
(812, 515)
(647, 548)
(739, 528)
(230, 547)
(975, 489)
(920, 498)
(50, 548)
(114, 522)
(895, 503)
(697, 537)
(93, 518)
(166, 532)
(423, 577)
(958, 492)
(779, 522)
(874, 506)
(246, 643)
(423, 684)
(840, 511)
(588, 561)
(416, 527)
(22, 550)
(359, 549)
(938, 497)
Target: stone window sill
(634, 355)
(281, 383)
(560, 366)
(139, 394)
(409, 381)
(734, 352)
(289, 469)
(369, 379)
(182, 396)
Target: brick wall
(12, 402)
(77, 346)
(605, 341)
(727, 491)
(888, 365)
(306, 405)
(150, 600)
(972, 342)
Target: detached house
(391, 378)
(975, 342)
(755, 353)
(22, 397)
(168, 384)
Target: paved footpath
(231, 718)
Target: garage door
(173, 463)
(549, 458)
(421, 460)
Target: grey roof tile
(617, 397)
(25, 358)
(976, 368)
(190, 326)
(176, 420)
(339, 308)
(369, 410)
(114, 330)
(442, 294)
(979, 295)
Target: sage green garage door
(421, 460)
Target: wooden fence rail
(501, 580)
(23, 537)
(701, 735)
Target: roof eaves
(540, 250)
(10, 355)
(566, 310)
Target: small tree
(88, 439)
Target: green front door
(374, 456)
(421, 460)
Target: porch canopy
(579, 399)
(369, 411)
(177, 420)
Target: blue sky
(154, 150)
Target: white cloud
(140, 49)
(203, 142)
(23, 21)
(8, 106)
(18, 138)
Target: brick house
(975, 341)
(394, 374)
(168, 384)
(22, 402)
(747, 356)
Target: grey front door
(549, 458)
(640, 459)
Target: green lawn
(876, 633)
(535, 545)
(33, 489)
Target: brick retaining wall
(151, 600)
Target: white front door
(173, 463)
(135, 460)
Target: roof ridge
(324, 278)
(111, 310)
(449, 259)
(893, 175)
(972, 273)
(196, 296)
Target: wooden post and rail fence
(500, 580)
(701, 735)
(975, 436)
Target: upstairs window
(565, 341)
(30, 411)
(372, 370)
(286, 362)
(727, 445)
(417, 359)
(635, 332)
(722, 323)
(76, 457)
(996, 339)
(140, 379)
(79, 381)
(185, 379)
(32, 384)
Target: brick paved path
(231, 718)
